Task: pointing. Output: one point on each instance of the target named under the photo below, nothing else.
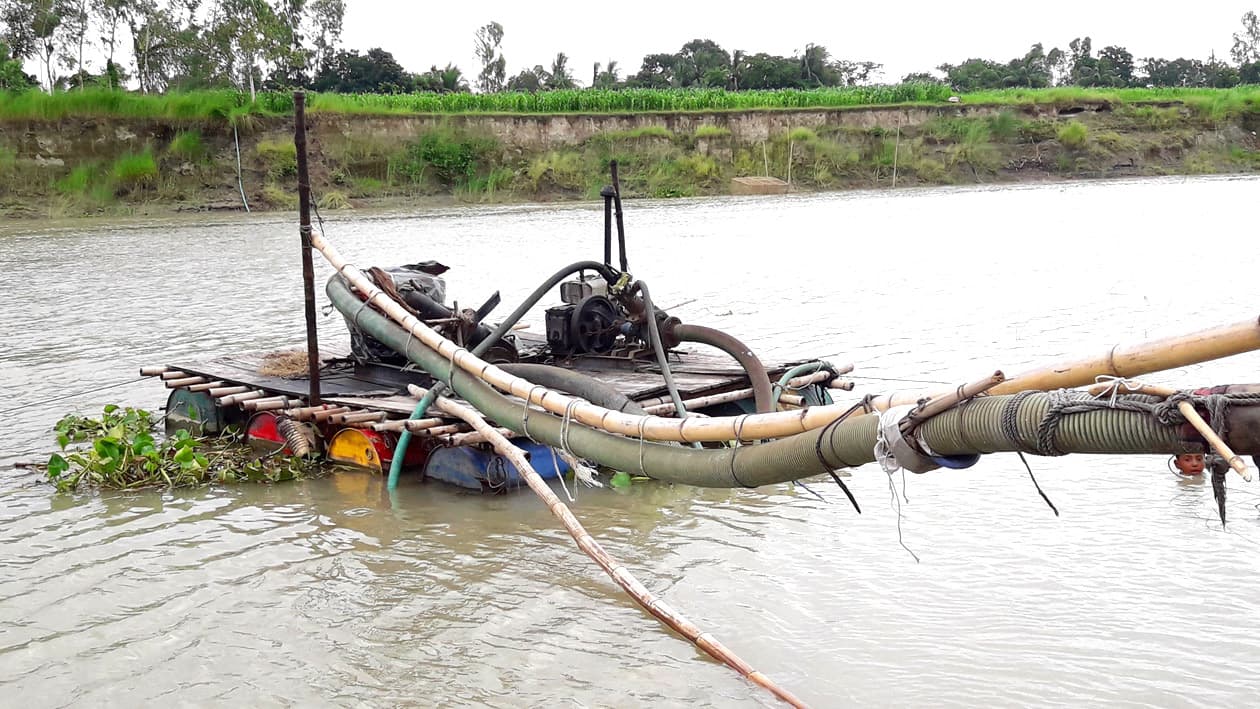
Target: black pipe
(304, 227)
(621, 227)
(430, 309)
(607, 194)
(763, 393)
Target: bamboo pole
(206, 387)
(618, 572)
(184, 382)
(219, 392)
(1119, 361)
(939, 404)
(307, 413)
(475, 438)
(815, 378)
(842, 384)
(152, 371)
(321, 416)
(1192, 417)
(284, 405)
(269, 403)
(443, 430)
(173, 374)
(667, 407)
(1211, 344)
(355, 417)
(232, 399)
(413, 425)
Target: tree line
(178, 45)
(174, 45)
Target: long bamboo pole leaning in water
(610, 565)
(1212, 344)
(308, 270)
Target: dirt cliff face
(105, 166)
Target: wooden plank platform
(383, 388)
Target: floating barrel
(264, 435)
(484, 470)
(195, 412)
(374, 450)
(268, 432)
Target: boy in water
(1189, 464)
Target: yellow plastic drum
(360, 448)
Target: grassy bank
(234, 106)
(147, 164)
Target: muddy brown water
(331, 592)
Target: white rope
(1113, 389)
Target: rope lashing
(1063, 402)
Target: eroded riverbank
(74, 167)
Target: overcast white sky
(903, 36)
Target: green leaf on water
(185, 456)
(107, 448)
(111, 408)
(143, 444)
(620, 479)
(57, 466)
(62, 441)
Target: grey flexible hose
(662, 357)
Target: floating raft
(365, 406)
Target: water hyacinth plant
(119, 450)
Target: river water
(329, 592)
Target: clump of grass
(332, 199)
(971, 131)
(802, 135)
(1245, 158)
(711, 132)
(188, 145)
(8, 160)
(1115, 142)
(134, 169)
(682, 176)
(1004, 125)
(279, 197)
(1037, 131)
(564, 170)
(279, 157)
(78, 181)
(367, 185)
(929, 169)
(1153, 117)
(1074, 135)
(494, 181)
(452, 157)
(102, 192)
(651, 131)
